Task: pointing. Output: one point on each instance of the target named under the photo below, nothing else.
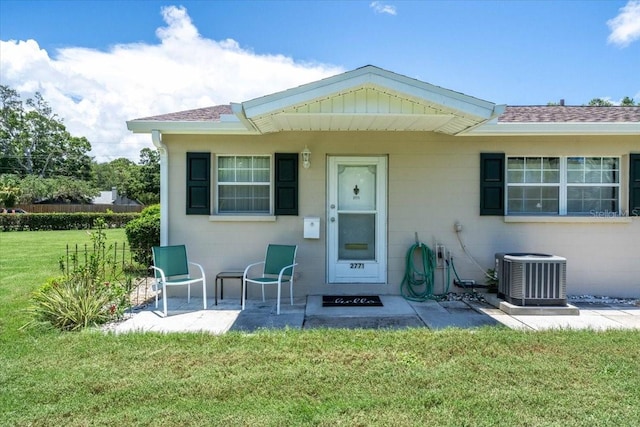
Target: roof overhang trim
(190, 127)
(566, 128)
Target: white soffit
(367, 98)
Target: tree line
(40, 161)
(627, 101)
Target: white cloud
(95, 92)
(380, 7)
(625, 28)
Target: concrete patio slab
(396, 312)
(259, 315)
(597, 323)
(451, 314)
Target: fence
(119, 262)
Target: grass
(488, 377)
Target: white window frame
(563, 185)
(219, 183)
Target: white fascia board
(238, 111)
(222, 128)
(436, 95)
(573, 128)
(368, 76)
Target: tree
(11, 119)
(119, 173)
(627, 102)
(149, 177)
(138, 182)
(60, 189)
(599, 102)
(9, 190)
(34, 141)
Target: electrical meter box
(311, 227)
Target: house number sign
(356, 265)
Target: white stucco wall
(433, 181)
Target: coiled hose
(417, 284)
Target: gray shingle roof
(207, 114)
(512, 114)
(564, 114)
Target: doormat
(351, 301)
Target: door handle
(332, 219)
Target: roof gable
(368, 98)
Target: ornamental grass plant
(90, 292)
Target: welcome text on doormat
(351, 301)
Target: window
(244, 184)
(592, 184)
(563, 185)
(533, 185)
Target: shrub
(86, 294)
(63, 221)
(143, 233)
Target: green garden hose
(417, 284)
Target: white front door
(356, 226)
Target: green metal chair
(171, 268)
(278, 267)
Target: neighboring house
(391, 156)
(113, 198)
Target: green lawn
(490, 377)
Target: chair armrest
(162, 277)
(285, 268)
(246, 270)
(199, 266)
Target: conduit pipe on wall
(156, 138)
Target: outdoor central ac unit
(532, 278)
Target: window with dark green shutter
(492, 183)
(286, 184)
(198, 184)
(634, 185)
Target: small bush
(143, 233)
(89, 294)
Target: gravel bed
(603, 299)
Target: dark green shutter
(198, 183)
(634, 185)
(286, 184)
(492, 183)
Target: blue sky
(99, 63)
